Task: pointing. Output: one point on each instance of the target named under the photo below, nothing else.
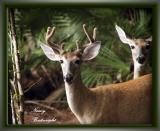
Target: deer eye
(77, 62)
(61, 61)
(147, 46)
(132, 46)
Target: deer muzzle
(141, 59)
(69, 78)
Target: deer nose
(141, 59)
(69, 78)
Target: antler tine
(49, 34)
(77, 44)
(94, 33)
(62, 48)
(91, 40)
(57, 48)
(79, 49)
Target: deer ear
(91, 51)
(48, 51)
(122, 35)
(149, 39)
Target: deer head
(71, 61)
(140, 48)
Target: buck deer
(127, 102)
(141, 52)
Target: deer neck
(76, 93)
(139, 69)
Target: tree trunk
(16, 95)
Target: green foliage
(114, 57)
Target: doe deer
(128, 102)
(141, 52)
